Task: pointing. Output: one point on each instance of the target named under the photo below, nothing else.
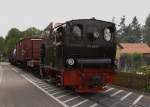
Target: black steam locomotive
(79, 54)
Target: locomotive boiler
(79, 54)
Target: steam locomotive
(79, 54)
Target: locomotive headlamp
(107, 34)
(70, 61)
(96, 35)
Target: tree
(31, 32)
(11, 39)
(14, 35)
(1, 45)
(146, 32)
(135, 30)
(121, 28)
(129, 33)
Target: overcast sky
(39, 13)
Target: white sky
(39, 13)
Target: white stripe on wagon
(70, 99)
(137, 100)
(63, 104)
(94, 105)
(124, 97)
(80, 103)
(108, 90)
(116, 93)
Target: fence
(132, 80)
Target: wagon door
(36, 48)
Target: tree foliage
(32, 31)
(134, 32)
(1, 44)
(130, 33)
(147, 30)
(144, 70)
(13, 36)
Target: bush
(145, 70)
(147, 89)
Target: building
(131, 48)
(131, 55)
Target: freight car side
(35, 61)
(28, 52)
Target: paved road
(15, 91)
(22, 89)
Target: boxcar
(28, 52)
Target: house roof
(130, 48)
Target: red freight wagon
(28, 51)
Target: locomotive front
(89, 43)
(89, 54)
(83, 54)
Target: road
(22, 89)
(15, 91)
